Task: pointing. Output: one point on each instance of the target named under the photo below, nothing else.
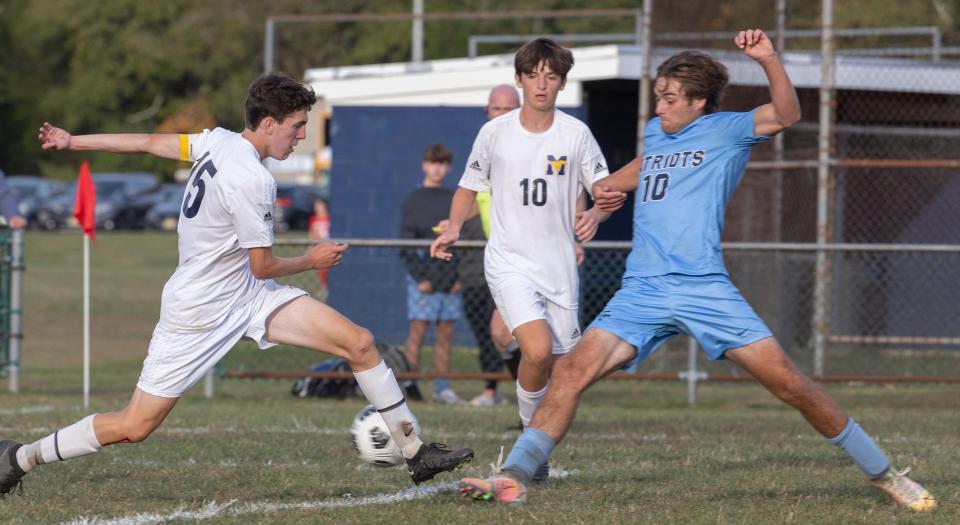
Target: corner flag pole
(84, 209)
(86, 322)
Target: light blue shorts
(647, 311)
(433, 306)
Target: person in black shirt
(433, 287)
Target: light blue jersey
(685, 182)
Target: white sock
(529, 401)
(74, 441)
(380, 387)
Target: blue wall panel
(376, 162)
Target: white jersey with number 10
(534, 180)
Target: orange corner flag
(85, 204)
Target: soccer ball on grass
(372, 440)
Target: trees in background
(183, 65)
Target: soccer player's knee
(538, 359)
(569, 373)
(363, 347)
(793, 389)
(501, 334)
(137, 431)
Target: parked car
(115, 191)
(294, 205)
(165, 212)
(134, 212)
(33, 192)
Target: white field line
(508, 436)
(26, 410)
(334, 431)
(234, 508)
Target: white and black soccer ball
(371, 439)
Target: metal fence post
(268, 43)
(209, 383)
(643, 113)
(416, 44)
(821, 319)
(15, 335)
(692, 375)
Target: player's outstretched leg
(10, 471)
(311, 324)
(596, 355)
(424, 462)
(766, 361)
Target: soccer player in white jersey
(223, 287)
(535, 161)
(676, 282)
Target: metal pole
(86, 321)
(781, 9)
(821, 316)
(209, 383)
(692, 375)
(16, 336)
(936, 44)
(268, 35)
(643, 114)
(416, 47)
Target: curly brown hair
(275, 95)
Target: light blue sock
(439, 385)
(862, 449)
(532, 448)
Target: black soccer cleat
(10, 471)
(435, 458)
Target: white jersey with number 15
(227, 208)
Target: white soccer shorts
(519, 302)
(176, 360)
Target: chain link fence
(892, 307)
(11, 275)
(844, 233)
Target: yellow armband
(184, 147)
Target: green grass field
(254, 454)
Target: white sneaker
(487, 401)
(906, 492)
(448, 396)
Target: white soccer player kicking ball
(536, 162)
(223, 287)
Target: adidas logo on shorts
(598, 168)
(475, 165)
(575, 333)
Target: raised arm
(162, 145)
(460, 208)
(784, 109)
